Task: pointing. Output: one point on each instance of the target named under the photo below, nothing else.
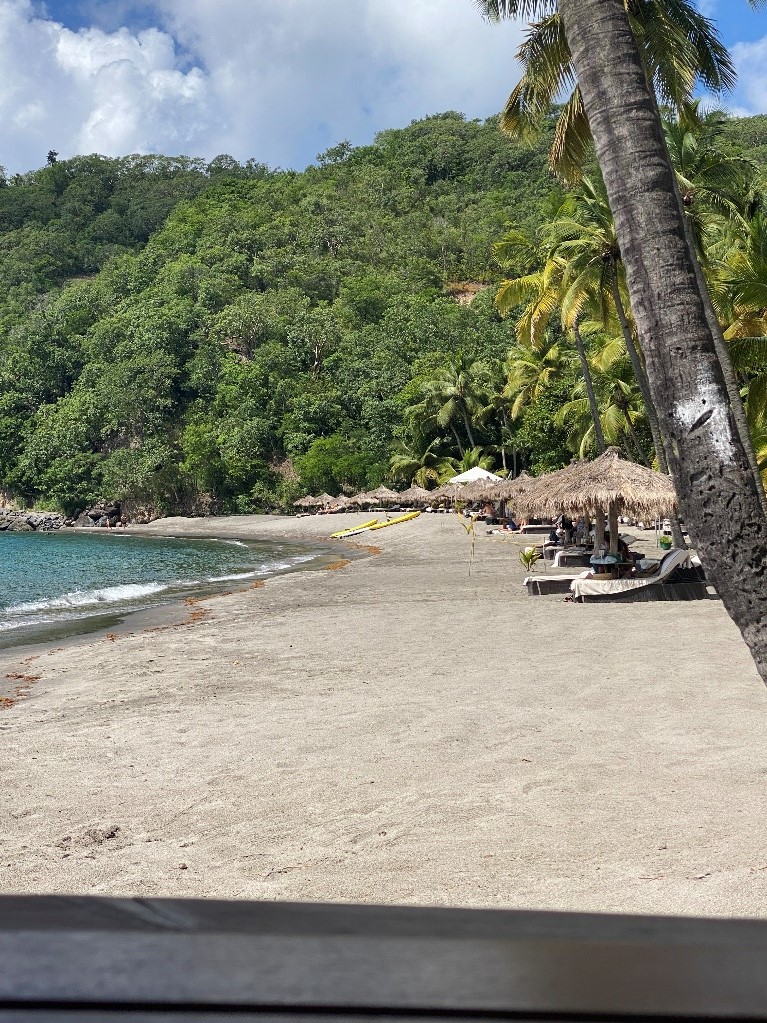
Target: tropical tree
(532, 369)
(496, 410)
(451, 397)
(621, 409)
(584, 236)
(716, 487)
(714, 185)
(543, 286)
(477, 458)
(739, 281)
(416, 461)
(677, 44)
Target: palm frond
(572, 140)
(748, 354)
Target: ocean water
(60, 583)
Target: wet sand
(399, 730)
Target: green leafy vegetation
(213, 336)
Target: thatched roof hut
(607, 481)
(447, 492)
(381, 495)
(480, 490)
(510, 490)
(415, 495)
(306, 502)
(608, 484)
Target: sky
(276, 80)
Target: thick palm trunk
(589, 384)
(716, 488)
(644, 386)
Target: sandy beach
(398, 730)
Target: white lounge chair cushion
(544, 576)
(594, 587)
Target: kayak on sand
(353, 529)
(368, 527)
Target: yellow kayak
(353, 529)
(393, 522)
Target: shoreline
(413, 729)
(121, 619)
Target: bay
(58, 584)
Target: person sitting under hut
(565, 526)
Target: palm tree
(496, 408)
(541, 287)
(678, 47)
(717, 489)
(531, 369)
(739, 282)
(451, 396)
(714, 185)
(476, 458)
(621, 407)
(416, 462)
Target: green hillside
(193, 336)
(272, 321)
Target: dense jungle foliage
(217, 336)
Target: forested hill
(191, 335)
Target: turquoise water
(62, 583)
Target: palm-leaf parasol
(608, 484)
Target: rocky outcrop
(13, 521)
(105, 514)
(115, 513)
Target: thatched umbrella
(609, 484)
(325, 498)
(381, 495)
(479, 490)
(447, 492)
(384, 495)
(306, 502)
(510, 490)
(414, 495)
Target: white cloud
(295, 77)
(278, 81)
(750, 59)
(92, 91)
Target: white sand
(397, 731)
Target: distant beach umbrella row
(486, 488)
(381, 495)
(608, 486)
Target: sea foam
(89, 598)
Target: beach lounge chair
(654, 585)
(541, 585)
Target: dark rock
(26, 521)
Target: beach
(408, 726)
